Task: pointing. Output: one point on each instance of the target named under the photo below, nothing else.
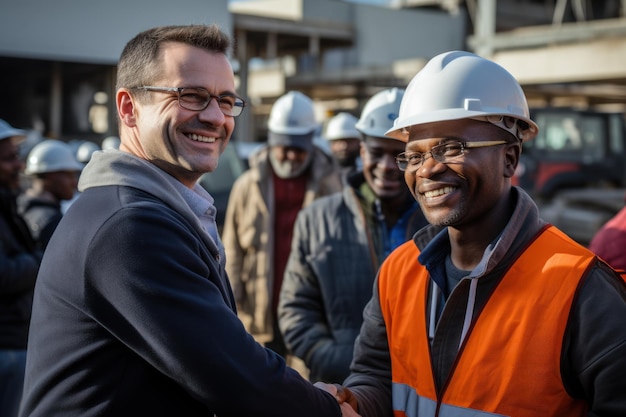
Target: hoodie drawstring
(469, 310)
(434, 301)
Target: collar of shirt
(201, 204)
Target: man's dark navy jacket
(134, 315)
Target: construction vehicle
(575, 168)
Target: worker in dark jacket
(19, 262)
(54, 176)
(344, 141)
(339, 243)
(133, 312)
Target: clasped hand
(347, 401)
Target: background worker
(85, 151)
(345, 142)
(110, 142)
(133, 312)
(83, 155)
(19, 262)
(489, 310)
(285, 176)
(609, 242)
(338, 245)
(54, 175)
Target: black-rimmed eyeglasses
(444, 153)
(198, 98)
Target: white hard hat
(85, 150)
(342, 126)
(111, 142)
(49, 156)
(292, 114)
(461, 85)
(7, 131)
(379, 112)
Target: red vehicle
(576, 168)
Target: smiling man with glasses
(133, 313)
(489, 311)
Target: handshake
(347, 401)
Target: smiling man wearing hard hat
(339, 243)
(489, 311)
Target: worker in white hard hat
(489, 310)
(340, 242)
(344, 141)
(111, 142)
(85, 151)
(54, 172)
(284, 176)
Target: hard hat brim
(304, 142)
(400, 126)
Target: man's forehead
(178, 59)
(468, 128)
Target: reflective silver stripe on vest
(405, 399)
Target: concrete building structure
(57, 59)
(563, 52)
(337, 52)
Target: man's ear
(126, 107)
(511, 158)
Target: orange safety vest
(509, 364)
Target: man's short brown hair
(139, 62)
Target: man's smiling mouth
(438, 192)
(199, 138)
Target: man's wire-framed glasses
(444, 153)
(198, 98)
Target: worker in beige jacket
(284, 176)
